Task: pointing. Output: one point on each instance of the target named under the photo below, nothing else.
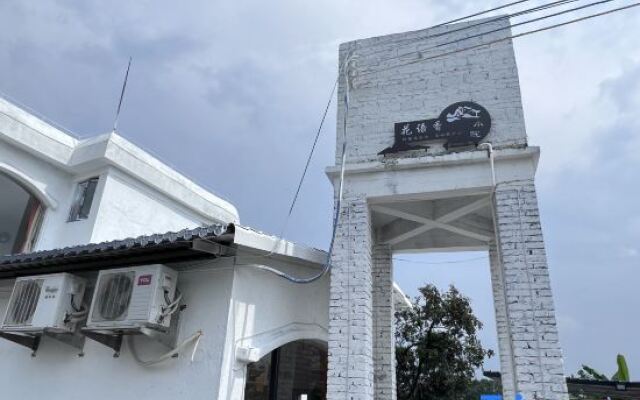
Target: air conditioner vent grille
(24, 302)
(114, 295)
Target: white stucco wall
(127, 208)
(58, 373)
(237, 307)
(268, 312)
(122, 207)
(54, 187)
(234, 307)
(137, 193)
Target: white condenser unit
(51, 303)
(133, 298)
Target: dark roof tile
(169, 245)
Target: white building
(58, 192)
(85, 206)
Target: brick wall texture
(384, 365)
(401, 92)
(389, 84)
(350, 374)
(527, 330)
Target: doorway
(295, 371)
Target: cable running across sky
(489, 20)
(527, 33)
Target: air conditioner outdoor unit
(132, 298)
(51, 303)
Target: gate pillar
(384, 349)
(416, 179)
(530, 353)
(350, 374)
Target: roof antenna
(124, 87)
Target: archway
(295, 371)
(21, 215)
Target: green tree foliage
(481, 386)
(586, 372)
(621, 375)
(437, 348)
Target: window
(21, 215)
(82, 201)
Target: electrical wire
(195, 348)
(542, 7)
(338, 206)
(527, 33)
(308, 162)
(508, 27)
(78, 313)
(477, 14)
(498, 257)
(557, 3)
(597, 3)
(73, 305)
(168, 355)
(309, 157)
(172, 307)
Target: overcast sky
(230, 93)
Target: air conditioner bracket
(75, 339)
(30, 341)
(111, 340)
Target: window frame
(83, 198)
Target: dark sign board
(461, 124)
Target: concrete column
(384, 352)
(350, 374)
(531, 357)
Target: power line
(542, 7)
(480, 13)
(597, 3)
(557, 3)
(503, 28)
(309, 157)
(546, 28)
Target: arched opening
(295, 371)
(20, 217)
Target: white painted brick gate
(436, 200)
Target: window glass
(21, 215)
(83, 199)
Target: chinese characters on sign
(461, 124)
